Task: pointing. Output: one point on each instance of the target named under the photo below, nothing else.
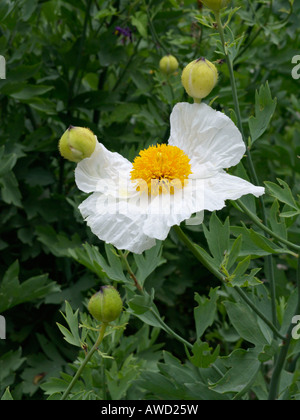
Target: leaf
(148, 262)
(264, 109)
(72, 336)
(7, 395)
(243, 367)
(140, 20)
(234, 252)
(31, 91)
(10, 189)
(12, 293)
(217, 237)
(203, 357)
(246, 324)
(282, 193)
(206, 311)
(90, 257)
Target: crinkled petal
(116, 223)
(208, 137)
(103, 171)
(199, 195)
(223, 186)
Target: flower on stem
(133, 204)
(125, 33)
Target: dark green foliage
(67, 64)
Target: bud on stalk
(77, 143)
(106, 305)
(199, 78)
(168, 64)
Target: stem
(170, 331)
(275, 381)
(130, 272)
(265, 228)
(254, 178)
(86, 360)
(213, 270)
(156, 315)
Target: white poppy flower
(133, 204)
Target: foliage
(188, 336)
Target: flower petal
(208, 137)
(102, 172)
(223, 186)
(116, 223)
(198, 195)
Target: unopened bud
(77, 143)
(216, 5)
(168, 64)
(106, 305)
(199, 78)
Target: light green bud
(106, 305)
(168, 64)
(77, 143)
(199, 78)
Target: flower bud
(168, 64)
(199, 78)
(106, 305)
(216, 5)
(77, 143)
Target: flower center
(161, 169)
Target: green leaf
(234, 252)
(31, 91)
(12, 293)
(140, 21)
(206, 311)
(148, 262)
(282, 193)
(264, 109)
(10, 189)
(7, 395)
(71, 336)
(246, 324)
(7, 162)
(90, 257)
(203, 357)
(217, 237)
(242, 368)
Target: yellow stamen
(161, 169)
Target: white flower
(128, 211)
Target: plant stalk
(85, 362)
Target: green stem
(254, 178)
(154, 313)
(170, 331)
(265, 228)
(84, 363)
(191, 246)
(280, 363)
(130, 272)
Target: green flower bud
(168, 64)
(216, 5)
(77, 143)
(199, 78)
(106, 305)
